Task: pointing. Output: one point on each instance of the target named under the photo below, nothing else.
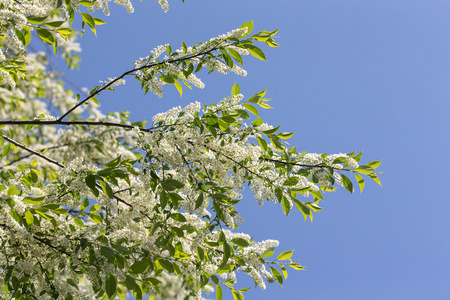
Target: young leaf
(277, 275)
(285, 204)
(360, 181)
(219, 293)
(235, 90)
(106, 189)
(347, 183)
(251, 109)
(285, 255)
(249, 26)
(179, 88)
(256, 52)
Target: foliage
(93, 206)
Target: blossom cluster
(151, 71)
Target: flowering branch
(33, 152)
(130, 72)
(26, 156)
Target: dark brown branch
(62, 166)
(68, 123)
(130, 72)
(33, 152)
(300, 165)
(26, 156)
(88, 123)
(292, 163)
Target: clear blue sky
(364, 75)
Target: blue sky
(364, 75)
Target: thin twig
(130, 72)
(26, 156)
(33, 152)
(88, 123)
(62, 166)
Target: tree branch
(26, 156)
(130, 72)
(88, 123)
(33, 152)
(62, 166)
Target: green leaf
(256, 52)
(358, 157)
(54, 24)
(285, 135)
(219, 292)
(35, 200)
(36, 20)
(302, 207)
(285, 273)
(178, 217)
(171, 184)
(78, 222)
(375, 178)
(15, 216)
(19, 35)
(314, 206)
(285, 204)
(295, 191)
(90, 21)
(240, 242)
(347, 183)
(272, 43)
(374, 164)
(47, 37)
(277, 275)
(317, 194)
(269, 252)
(108, 253)
(296, 266)
(235, 90)
(179, 88)
(167, 265)
(106, 189)
(99, 21)
(251, 109)
(163, 199)
(6, 150)
(111, 286)
(140, 266)
(29, 217)
(271, 131)
(94, 99)
(90, 181)
(227, 58)
(291, 181)
(26, 35)
(257, 122)
(95, 217)
(243, 114)
(236, 56)
(167, 79)
(364, 169)
(360, 181)
(285, 255)
(279, 145)
(94, 207)
(199, 201)
(12, 190)
(249, 26)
